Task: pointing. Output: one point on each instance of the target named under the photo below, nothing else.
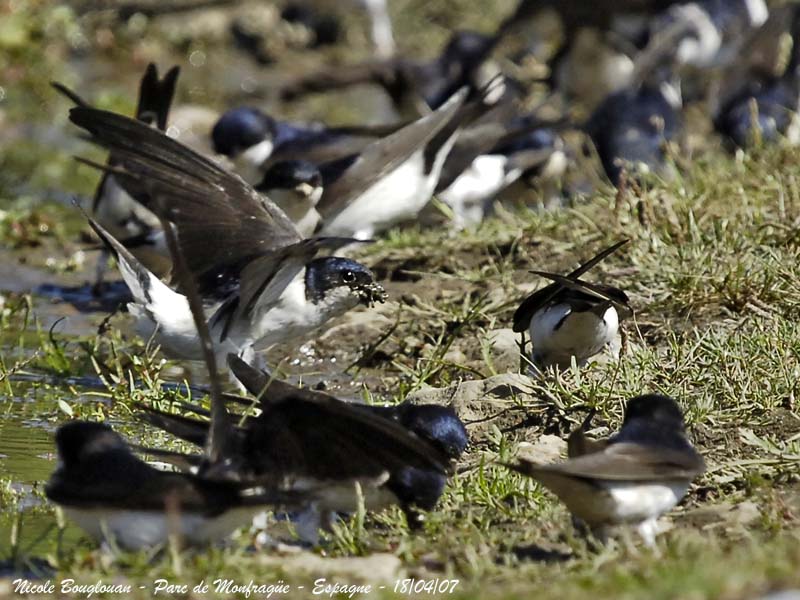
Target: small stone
(504, 351)
(547, 449)
(484, 403)
(455, 356)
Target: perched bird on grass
(632, 478)
(411, 484)
(571, 318)
(118, 498)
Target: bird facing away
(571, 318)
(632, 478)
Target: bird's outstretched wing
(221, 221)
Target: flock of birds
(228, 255)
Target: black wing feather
(529, 306)
(384, 155)
(155, 96)
(206, 202)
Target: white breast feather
(133, 530)
(396, 198)
(249, 163)
(582, 334)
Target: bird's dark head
(537, 139)
(440, 426)
(656, 409)
(417, 488)
(78, 441)
(335, 278)
(299, 175)
(437, 424)
(240, 129)
(467, 48)
(745, 126)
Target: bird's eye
(349, 277)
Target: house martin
(632, 478)
(261, 281)
(400, 455)
(631, 127)
(393, 178)
(570, 317)
(412, 488)
(116, 497)
(418, 489)
(411, 485)
(489, 156)
(322, 289)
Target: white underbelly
(280, 324)
(637, 502)
(132, 530)
(624, 502)
(397, 197)
(580, 334)
(177, 336)
(480, 181)
(249, 164)
(301, 211)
